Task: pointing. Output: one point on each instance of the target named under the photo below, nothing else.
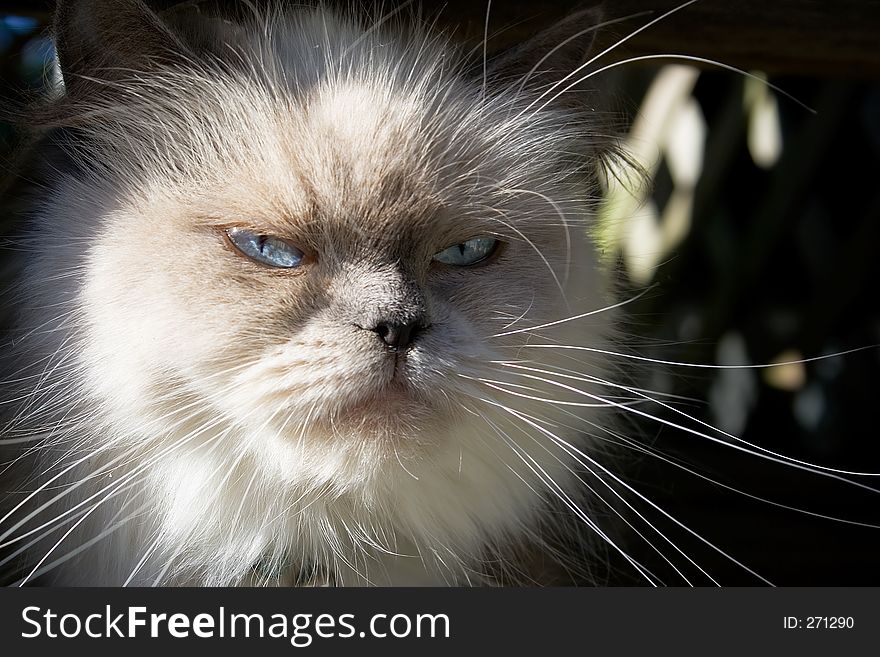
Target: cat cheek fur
(247, 413)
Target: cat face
(316, 272)
(368, 179)
(369, 204)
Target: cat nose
(397, 336)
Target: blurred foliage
(769, 243)
(768, 257)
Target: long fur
(178, 414)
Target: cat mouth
(395, 366)
(397, 374)
(389, 392)
(388, 399)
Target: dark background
(778, 261)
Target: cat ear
(99, 39)
(552, 54)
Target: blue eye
(468, 253)
(269, 250)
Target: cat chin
(365, 513)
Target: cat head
(328, 239)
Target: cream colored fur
(205, 420)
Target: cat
(273, 301)
(305, 297)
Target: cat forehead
(357, 132)
(359, 115)
(362, 167)
(376, 135)
(352, 154)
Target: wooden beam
(803, 37)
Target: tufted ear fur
(103, 39)
(551, 54)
